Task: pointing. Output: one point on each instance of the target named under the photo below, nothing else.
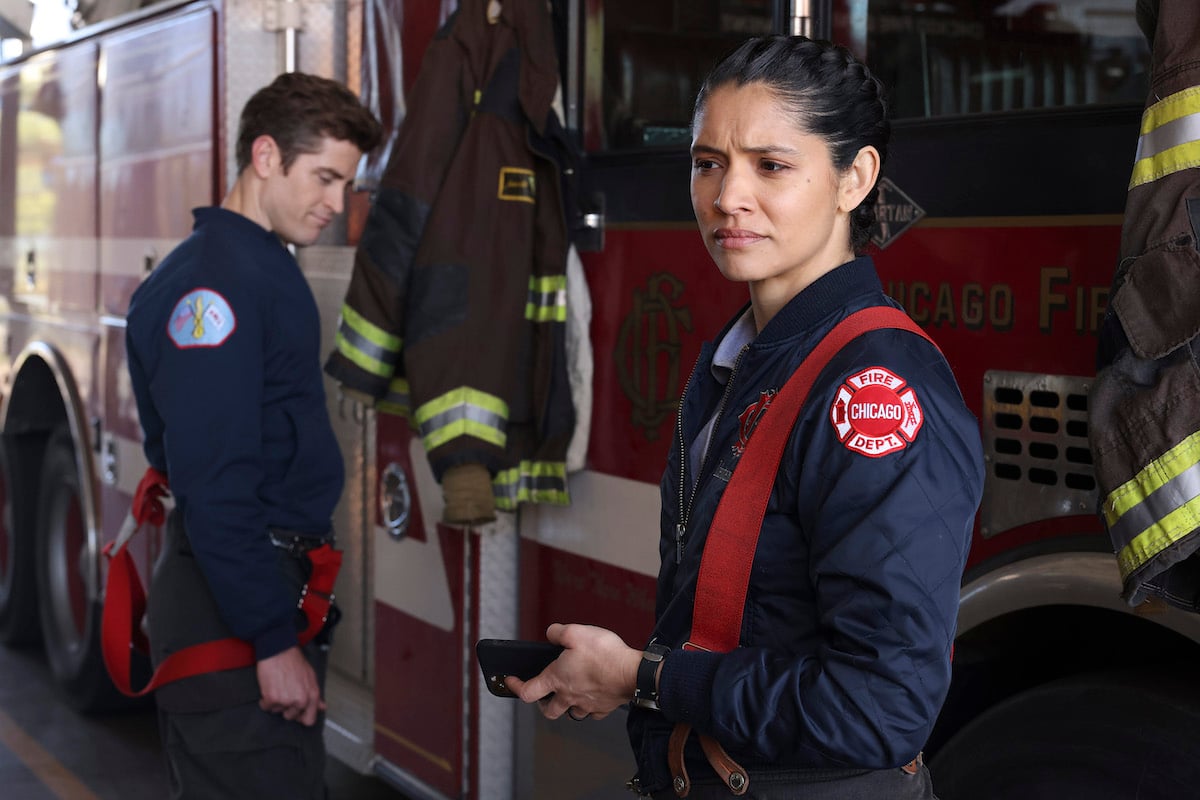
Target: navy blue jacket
(223, 343)
(844, 656)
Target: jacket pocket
(1157, 303)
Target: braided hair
(831, 93)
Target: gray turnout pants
(218, 744)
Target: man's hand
(595, 674)
(289, 687)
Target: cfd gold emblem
(647, 352)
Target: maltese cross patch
(875, 413)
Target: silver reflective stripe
(463, 411)
(551, 299)
(1158, 505)
(530, 484)
(397, 395)
(365, 346)
(1170, 134)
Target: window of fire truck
(986, 56)
(33, 24)
(645, 61)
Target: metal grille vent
(1035, 442)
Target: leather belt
(297, 544)
(731, 773)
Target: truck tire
(70, 618)
(1108, 736)
(19, 457)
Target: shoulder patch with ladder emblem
(201, 318)
(875, 413)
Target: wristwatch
(645, 695)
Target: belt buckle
(290, 545)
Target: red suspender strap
(733, 535)
(125, 604)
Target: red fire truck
(999, 222)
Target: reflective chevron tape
(531, 482)
(547, 299)
(1158, 507)
(368, 346)
(1170, 137)
(463, 412)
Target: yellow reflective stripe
(538, 314)
(366, 345)
(1169, 161)
(1151, 477)
(396, 401)
(1168, 138)
(361, 359)
(1169, 530)
(394, 409)
(463, 412)
(463, 395)
(547, 299)
(547, 283)
(369, 331)
(1171, 108)
(463, 427)
(531, 482)
(1157, 507)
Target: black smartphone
(499, 658)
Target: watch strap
(645, 694)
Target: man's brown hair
(298, 110)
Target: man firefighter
(223, 346)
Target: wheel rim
(67, 571)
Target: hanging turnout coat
(1144, 408)
(456, 307)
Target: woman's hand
(596, 673)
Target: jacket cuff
(345, 372)
(685, 686)
(274, 641)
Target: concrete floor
(48, 752)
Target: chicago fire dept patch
(202, 318)
(748, 419)
(875, 413)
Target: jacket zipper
(685, 511)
